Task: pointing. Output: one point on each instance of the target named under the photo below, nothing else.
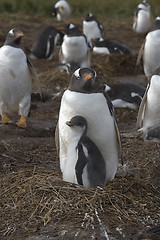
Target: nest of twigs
(38, 197)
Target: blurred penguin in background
(61, 10)
(150, 50)
(74, 50)
(142, 18)
(44, 43)
(149, 110)
(92, 28)
(104, 46)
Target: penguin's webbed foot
(22, 122)
(5, 119)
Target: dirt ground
(35, 203)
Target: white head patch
(76, 73)
(11, 32)
(101, 40)
(71, 26)
(107, 88)
(158, 18)
(90, 15)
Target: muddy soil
(126, 208)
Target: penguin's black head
(98, 42)
(145, 2)
(54, 11)
(156, 23)
(89, 17)
(84, 80)
(78, 123)
(14, 37)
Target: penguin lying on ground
(83, 97)
(125, 94)
(104, 46)
(142, 18)
(85, 163)
(151, 51)
(16, 73)
(74, 49)
(92, 29)
(61, 10)
(44, 43)
(149, 111)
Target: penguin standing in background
(150, 50)
(85, 164)
(74, 49)
(125, 94)
(142, 18)
(16, 73)
(44, 43)
(61, 10)
(83, 97)
(104, 46)
(149, 111)
(92, 29)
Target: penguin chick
(44, 43)
(125, 94)
(16, 73)
(89, 164)
(74, 49)
(142, 18)
(61, 10)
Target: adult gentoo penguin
(44, 43)
(74, 49)
(61, 10)
(142, 18)
(104, 46)
(84, 98)
(151, 52)
(85, 164)
(92, 28)
(125, 94)
(16, 73)
(149, 111)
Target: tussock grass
(106, 9)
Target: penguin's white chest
(142, 22)
(152, 111)
(101, 129)
(151, 57)
(91, 30)
(15, 81)
(74, 49)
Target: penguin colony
(88, 143)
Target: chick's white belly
(100, 126)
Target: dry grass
(38, 197)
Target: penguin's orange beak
(20, 34)
(60, 28)
(88, 76)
